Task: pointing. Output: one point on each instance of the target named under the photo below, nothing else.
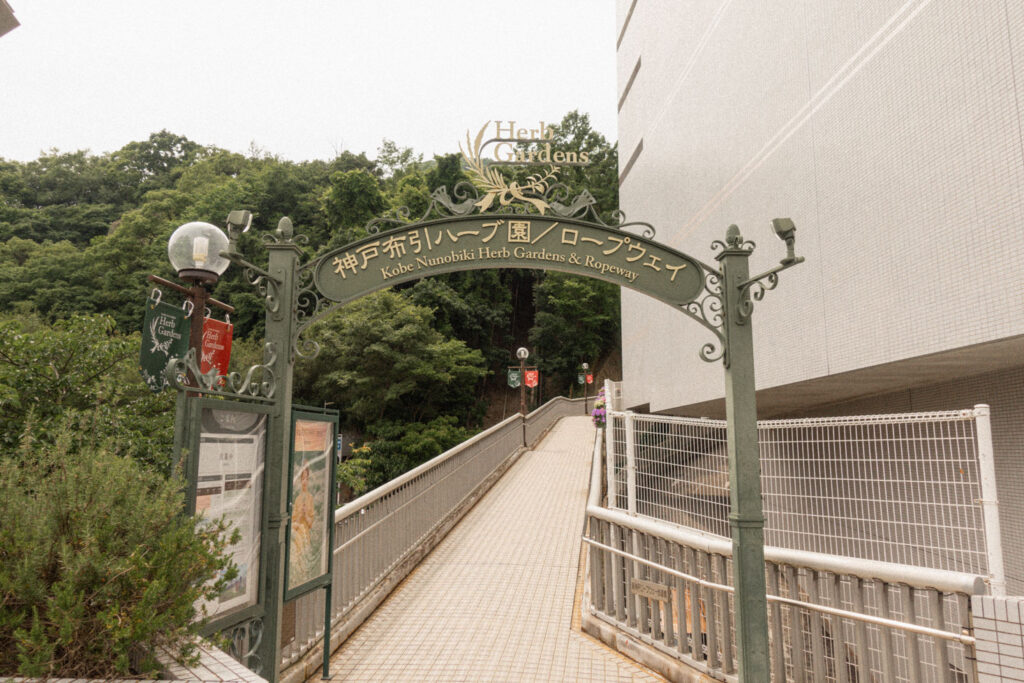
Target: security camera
(784, 228)
(240, 219)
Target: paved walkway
(494, 601)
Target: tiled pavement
(494, 601)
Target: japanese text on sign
(509, 242)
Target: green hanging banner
(165, 335)
(513, 379)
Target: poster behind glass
(232, 447)
(311, 491)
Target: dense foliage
(97, 563)
(81, 372)
(79, 233)
(96, 560)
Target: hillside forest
(413, 370)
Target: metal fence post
(609, 456)
(630, 464)
(989, 501)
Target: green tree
(79, 371)
(446, 172)
(151, 164)
(577, 321)
(395, 162)
(394, 447)
(381, 359)
(353, 198)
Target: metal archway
(533, 231)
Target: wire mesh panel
(902, 488)
(616, 435)
(683, 472)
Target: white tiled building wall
(1000, 645)
(888, 130)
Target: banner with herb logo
(164, 336)
(216, 348)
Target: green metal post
(181, 432)
(283, 262)
(747, 517)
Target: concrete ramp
(495, 600)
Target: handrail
(824, 609)
(887, 418)
(594, 494)
(384, 489)
(667, 585)
(370, 496)
(940, 579)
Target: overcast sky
(299, 79)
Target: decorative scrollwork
(708, 310)
(619, 222)
(258, 383)
(243, 641)
(465, 199)
(306, 348)
(391, 219)
(461, 202)
(266, 286)
(309, 304)
(754, 290)
(711, 352)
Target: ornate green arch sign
(531, 228)
(508, 241)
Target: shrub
(97, 563)
(80, 367)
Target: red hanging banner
(590, 379)
(216, 346)
(531, 378)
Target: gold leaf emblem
(494, 184)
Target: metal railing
(830, 618)
(376, 534)
(915, 489)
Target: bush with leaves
(81, 370)
(97, 563)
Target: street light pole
(522, 354)
(586, 366)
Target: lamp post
(194, 251)
(522, 354)
(585, 366)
